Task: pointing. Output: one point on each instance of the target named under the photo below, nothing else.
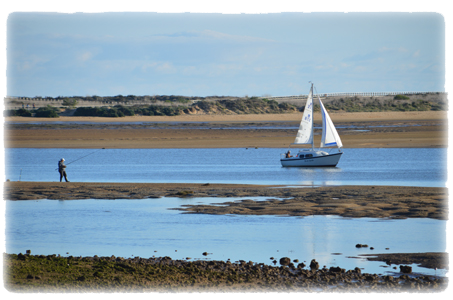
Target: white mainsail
(329, 138)
(330, 135)
(305, 133)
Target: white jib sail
(330, 135)
(304, 135)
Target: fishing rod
(82, 157)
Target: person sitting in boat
(288, 154)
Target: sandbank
(347, 201)
(291, 117)
(357, 130)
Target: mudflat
(346, 201)
(357, 130)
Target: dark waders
(63, 174)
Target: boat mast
(312, 117)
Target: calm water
(404, 167)
(147, 227)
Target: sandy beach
(357, 130)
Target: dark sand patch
(346, 201)
(431, 260)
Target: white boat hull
(329, 160)
(305, 133)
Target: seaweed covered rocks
(52, 273)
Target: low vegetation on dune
(369, 105)
(42, 112)
(241, 106)
(173, 106)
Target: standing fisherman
(62, 170)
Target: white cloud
(177, 54)
(383, 49)
(325, 67)
(165, 68)
(160, 67)
(84, 56)
(361, 69)
(241, 38)
(30, 63)
(406, 67)
(208, 35)
(224, 69)
(260, 69)
(148, 65)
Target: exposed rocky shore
(52, 273)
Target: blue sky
(205, 54)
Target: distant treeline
(252, 105)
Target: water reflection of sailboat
(315, 177)
(330, 137)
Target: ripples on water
(147, 227)
(387, 166)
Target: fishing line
(82, 157)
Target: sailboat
(329, 138)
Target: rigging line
(316, 91)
